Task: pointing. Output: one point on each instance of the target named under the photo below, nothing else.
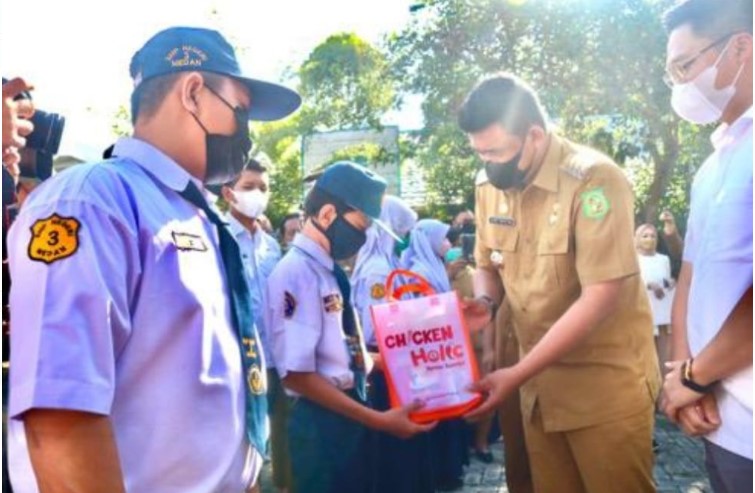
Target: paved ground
(679, 467)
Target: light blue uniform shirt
(133, 323)
(369, 290)
(304, 315)
(259, 252)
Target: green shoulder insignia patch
(595, 204)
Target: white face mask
(251, 203)
(698, 101)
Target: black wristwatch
(492, 305)
(689, 382)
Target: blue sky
(77, 52)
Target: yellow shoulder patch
(54, 238)
(377, 291)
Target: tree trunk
(663, 163)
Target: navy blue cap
(182, 49)
(355, 185)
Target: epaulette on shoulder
(579, 164)
(481, 178)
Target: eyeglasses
(677, 72)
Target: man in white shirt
(708, 390)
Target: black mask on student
(226, 154)
(345, 238)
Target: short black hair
(317, 198)
(502, 98)
(146, 100)
(710, 18)
(286, 218)
(251, 165)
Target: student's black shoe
(485, 457)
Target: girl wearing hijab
(401, 466)
(377, 258)
(428, 245)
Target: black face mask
(468, 227)
(345, 239)
(507, 175)
(226, 154)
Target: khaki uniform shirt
(569, 228)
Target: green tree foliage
(344, 83)
(366, 154)
(596, 64)
(280, 142)
(121, 125)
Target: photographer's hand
(16, 124)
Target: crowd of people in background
(159, 344)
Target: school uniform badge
(354, 345)
(289, 304)
(255, 381)
(377, 291)
(188, 242)
(333, 303)
(595, 204)
(54, 238)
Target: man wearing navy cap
(316, 341)
(139, 367)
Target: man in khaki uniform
(518, 473)
(555, 232)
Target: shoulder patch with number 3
(54, 238)
(595, 204)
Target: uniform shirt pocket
(553, 256)
(503, 251)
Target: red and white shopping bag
(426, 350)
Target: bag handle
(423, 288)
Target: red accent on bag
(439, 355)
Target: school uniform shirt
(304, 316)
(718, 244)
(369, 290)
(120, 309)
(259, 253)
(571, 227)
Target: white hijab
(376, 256)
(423, 254)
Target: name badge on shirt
(333, 303)
(188, 242)
(502, 221)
